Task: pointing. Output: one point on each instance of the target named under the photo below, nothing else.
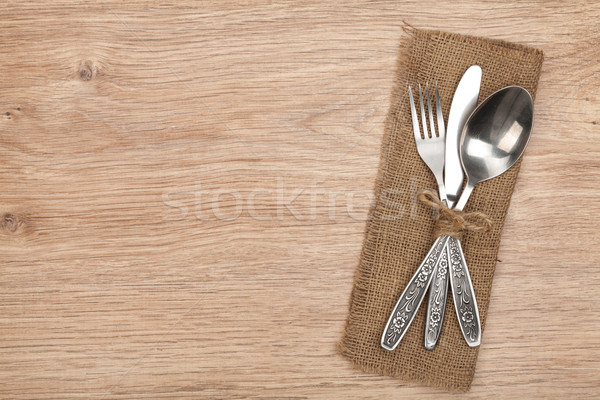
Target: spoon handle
(406, 308)
(465, 303)
(436, 304)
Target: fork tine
(440, 115)
(431, 125)
(415, 119)
(423, 118)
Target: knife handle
(465, 303)
(410, 300)
(436, 305)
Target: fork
(432, 152)
(431, 149)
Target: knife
(463, 104)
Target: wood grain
(184, 188)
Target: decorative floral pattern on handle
(410, 300)
(465, 303)
(438, 294)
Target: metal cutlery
(495, 136)
(431, 149)
(492, 140)
(463, 104)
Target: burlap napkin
(399, 232)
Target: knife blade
(463, 104)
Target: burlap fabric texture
(399, 231)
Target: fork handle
(406, 308)
(436, 304)
(465, 303)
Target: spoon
(495, 136)
(493, 139)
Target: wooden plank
(184, 188)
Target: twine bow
(453, 222)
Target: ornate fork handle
(410, 300)
(465, 303)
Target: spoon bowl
(495, 136)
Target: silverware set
(483, 142)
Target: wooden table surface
(185, 186)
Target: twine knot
(453, 222)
